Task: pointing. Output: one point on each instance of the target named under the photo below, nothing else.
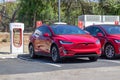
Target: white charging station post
(16, 37)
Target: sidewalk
(4, 55)
(5, 52)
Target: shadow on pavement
(116, 58)
(49, 60)
(5, 53)
(24, 64)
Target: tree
(47, 10)
(34, 10)
(74, 8)
(109, 7)
(8, 13)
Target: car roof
(61, 25)
(104, 25)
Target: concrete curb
(4, 56)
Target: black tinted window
(94, 30)
(111, 29)
(41, 30)
(90, 30)
(66, 29)
(97, 30)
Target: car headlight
(117, 41)
(65, 42)
(98, 42)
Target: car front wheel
(109, 51)
(55, 54)
(31, 51)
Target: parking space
(24, 64)
(43, 66)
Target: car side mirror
(46, 34)
(99, 34)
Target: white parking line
(51, 64)
(56, 65)
(12, 57)
(113, 61)
(3, 57)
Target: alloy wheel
(55, 54)
(109, 51)
(31, 51)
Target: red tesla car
(109, 36)
(61, 40)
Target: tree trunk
(82, 7)
(34, 20)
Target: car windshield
(112, 29)
(66, 29)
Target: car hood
(115, 36)
(83, 38)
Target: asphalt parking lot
(23, 67)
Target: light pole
(4, 6)
(59, 10)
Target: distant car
(109, 36)
(61, 41)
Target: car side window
(94, 30)
(97, 30)
(41, 30)
(44, 29)
(90, 30)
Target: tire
(55, 54)
(109, 51)
(93, 58)
(31, 51)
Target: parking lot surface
(22, 67)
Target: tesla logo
(17, 25)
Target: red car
(60, 40)
(109, 36)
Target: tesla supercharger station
(88, 20)
(16, 37)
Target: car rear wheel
(93, 58)
(55, 54)
(109, 51)
(31, 51)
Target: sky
(1, 1)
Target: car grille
(85, 54)
(84, 46)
